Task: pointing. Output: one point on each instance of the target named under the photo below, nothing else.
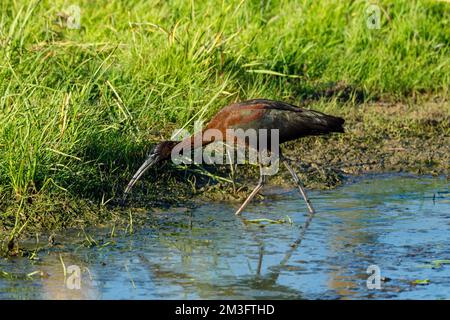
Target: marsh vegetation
(81, 107)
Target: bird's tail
(334, 124)
(320, 123)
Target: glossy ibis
(292, 122)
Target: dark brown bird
(292, 122)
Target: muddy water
(399, 224)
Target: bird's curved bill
(151, 160)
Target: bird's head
(161, 152)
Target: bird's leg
(299, 185)
(254, 192)
(233, 168)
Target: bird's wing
(292, 122)
(293, 125)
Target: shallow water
(399, 223)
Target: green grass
(79, 107)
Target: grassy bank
(80, 108)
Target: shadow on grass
(285, 76)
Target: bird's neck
(194, 141)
